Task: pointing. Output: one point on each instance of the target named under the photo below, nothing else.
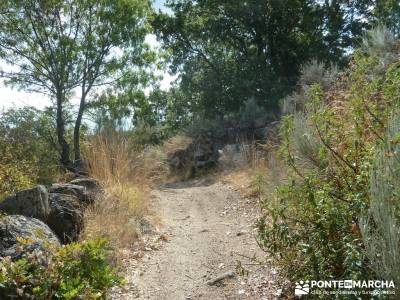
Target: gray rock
(30, 203)
(81, 167)
(91, 184)
(78, 191)
(13, 228)
(269, 133)
(66, 216)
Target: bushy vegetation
(380, 226)
(74, 271)
(27, 152)
(336, 214)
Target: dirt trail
(208, 228)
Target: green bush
(312, 227)
(312, 73)
(16, 172)
(14, 177)
(75, 271)
(28, 152)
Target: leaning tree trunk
(77, 129)
(64, 159)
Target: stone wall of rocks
(208, 145)
(43, 215)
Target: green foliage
(75, 271)
(387, 12)
(312, 229)
(227, 52)
(15, 176)
(145, 134)
(60, 47)
(27, 149)
(313, 72)
(253, 114)
(230, 51)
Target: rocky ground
(206, 234)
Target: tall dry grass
(176, 143)
(114, 163)
(152, 165)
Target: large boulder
(80, 192)
(20, 234)
(30, 203)
(66, 216)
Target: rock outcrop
(33, 218)
(20, 234)
(181, 160)
(208, 144)
(32, 202)
(205, 152)
(66, 216)
(202, 152)
(79, 191)
(90, 183)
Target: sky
(12, 97)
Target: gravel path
(207, 228)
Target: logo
(302, 288)
(344, 287)
(348, 284)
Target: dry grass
(256, 170)
(251, 154)
(115, 164)
(241, 181)
(179, 150)
(178, 142)
(153, 165)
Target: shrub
(312, 73)
(380, 44)
(176, 143)
(14, 177)
(154, 164)
(380, 225)
(312, 227)
(144, 134)
(253, 114)
(26, 150)
(75, 271)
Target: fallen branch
(221, 277)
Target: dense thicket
(237, 62)
(28, 149)
(228, 53)
(341, 195)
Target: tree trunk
(64, 159)
(77, 129)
